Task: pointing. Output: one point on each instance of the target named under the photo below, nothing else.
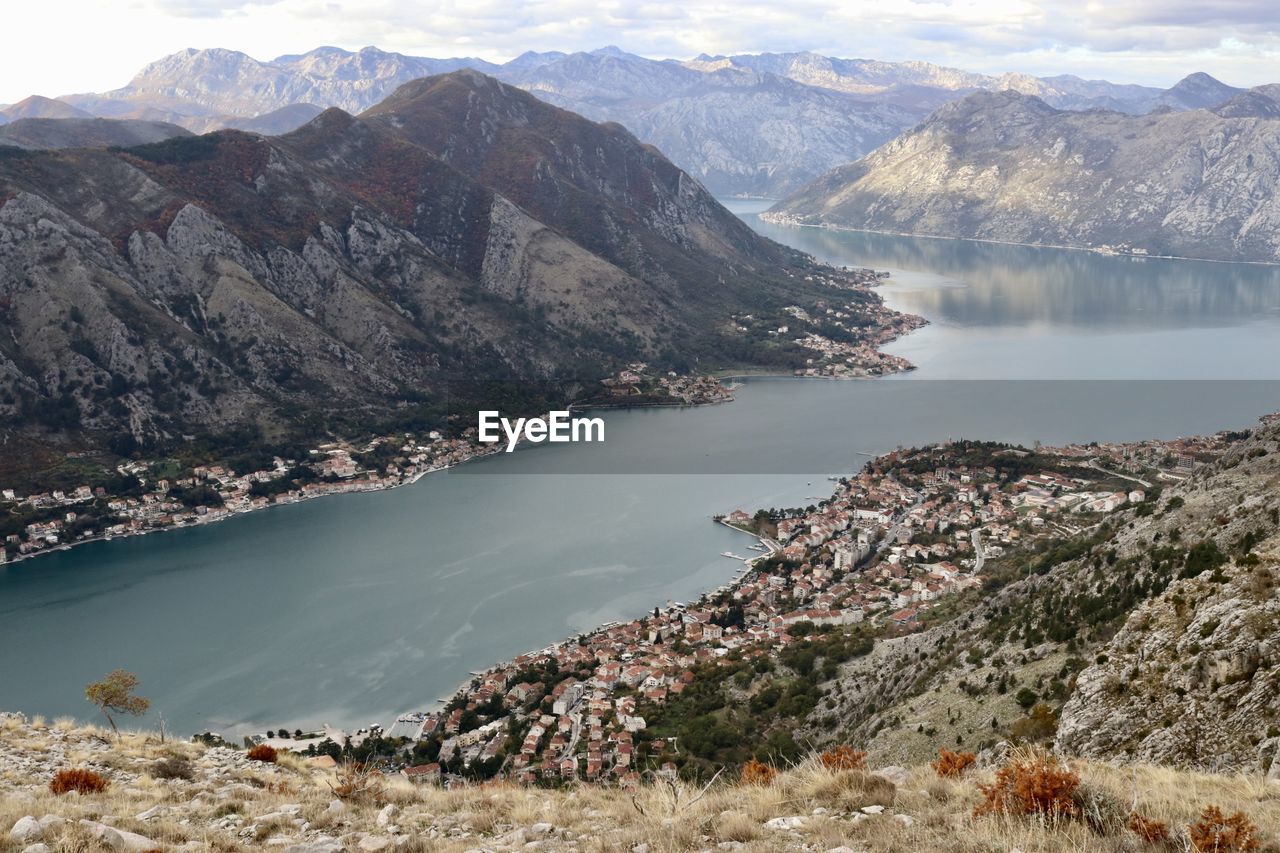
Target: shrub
(843, 758)
(358, 783)
(1100, 810)
(1040, 724)
(757, 773)
(1150, 831)
(173, 767)
(1031, 785)
(1216, 833)
(78, 780)
(264, 753)
(952, 764)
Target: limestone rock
(26, 830)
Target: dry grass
(231, 803)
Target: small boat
(726, 553)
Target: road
(1093, 463)
(979, 555)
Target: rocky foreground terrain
(1009, 167)
(182, 796)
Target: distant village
(860, 357)
(210, 493)
(891, 543)
(844, 337)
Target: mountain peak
(1007, 104)
(38, 106)
(1199, 78)
(1199, 91)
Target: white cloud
(59, 46)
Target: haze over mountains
(345, 272)
(1009, 167)
(748, 124)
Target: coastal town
(907, 533)
(840, 338)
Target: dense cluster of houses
(861, 355)
(638, 380)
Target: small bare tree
(114, 695)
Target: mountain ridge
(744, 125)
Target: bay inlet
(355, 608)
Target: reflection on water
(1002, 311)
(1022, 285)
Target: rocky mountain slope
(738, 130)
(1009, 167)
(1151, 639)
(38, 133)
(349, 271)
(216, 81)
(166, 796)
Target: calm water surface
(1002, 311)
(351, 609)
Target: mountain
(217, 82)
(1009, 167)
(85, 132)
(532, 59)
(621, 199)
(926, 84)
(739, 131)
(1198, 91)
(856, 76)
(38, 106)
(1259, 102)
(345, 274)
(275, 122)
(748, 124)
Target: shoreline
(728, 586)
(787, 222)
(355, 488)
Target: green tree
(114, 695)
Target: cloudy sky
(57, 47)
